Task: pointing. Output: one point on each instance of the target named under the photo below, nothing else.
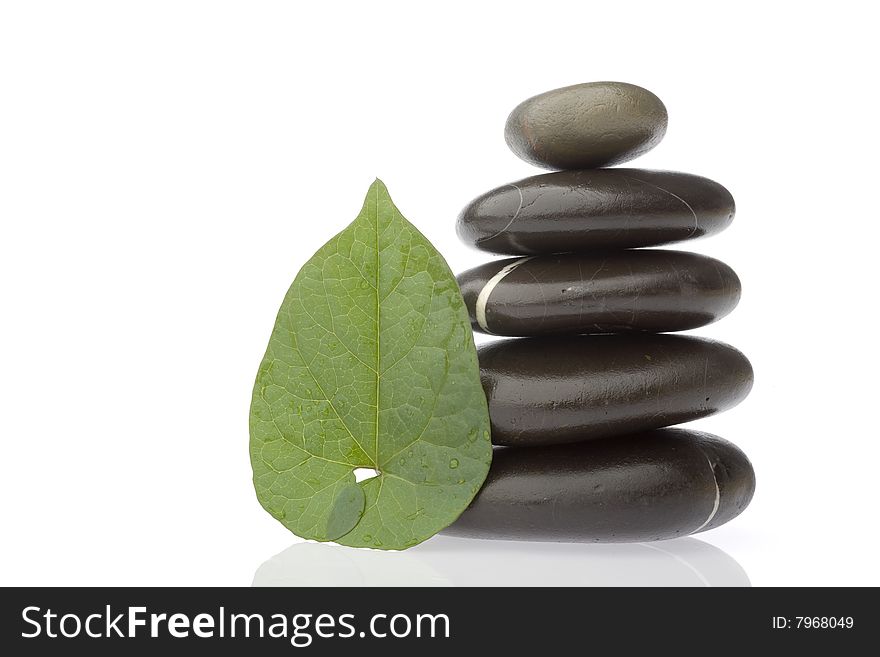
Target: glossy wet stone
(586, 125)
(601, 292)
(566, 389)
(571, 211)
(650, 486)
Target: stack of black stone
(580, 401)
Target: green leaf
(371, 364)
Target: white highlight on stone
(360, 474)
(483, 297)
(717, 498)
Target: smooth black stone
(602, 292)
(572, 211)
(650, 486)
(558, 390)
(586, 125)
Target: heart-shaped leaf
(371, 365)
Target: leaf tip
(378, 186)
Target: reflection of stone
(320, 564)
(446, 561)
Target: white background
(166, 167)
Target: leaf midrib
(378, 339)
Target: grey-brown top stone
(585, 126)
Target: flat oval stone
(565, 389)
(600, 292)
(650, 486)
(595, 209)
(585, 126)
